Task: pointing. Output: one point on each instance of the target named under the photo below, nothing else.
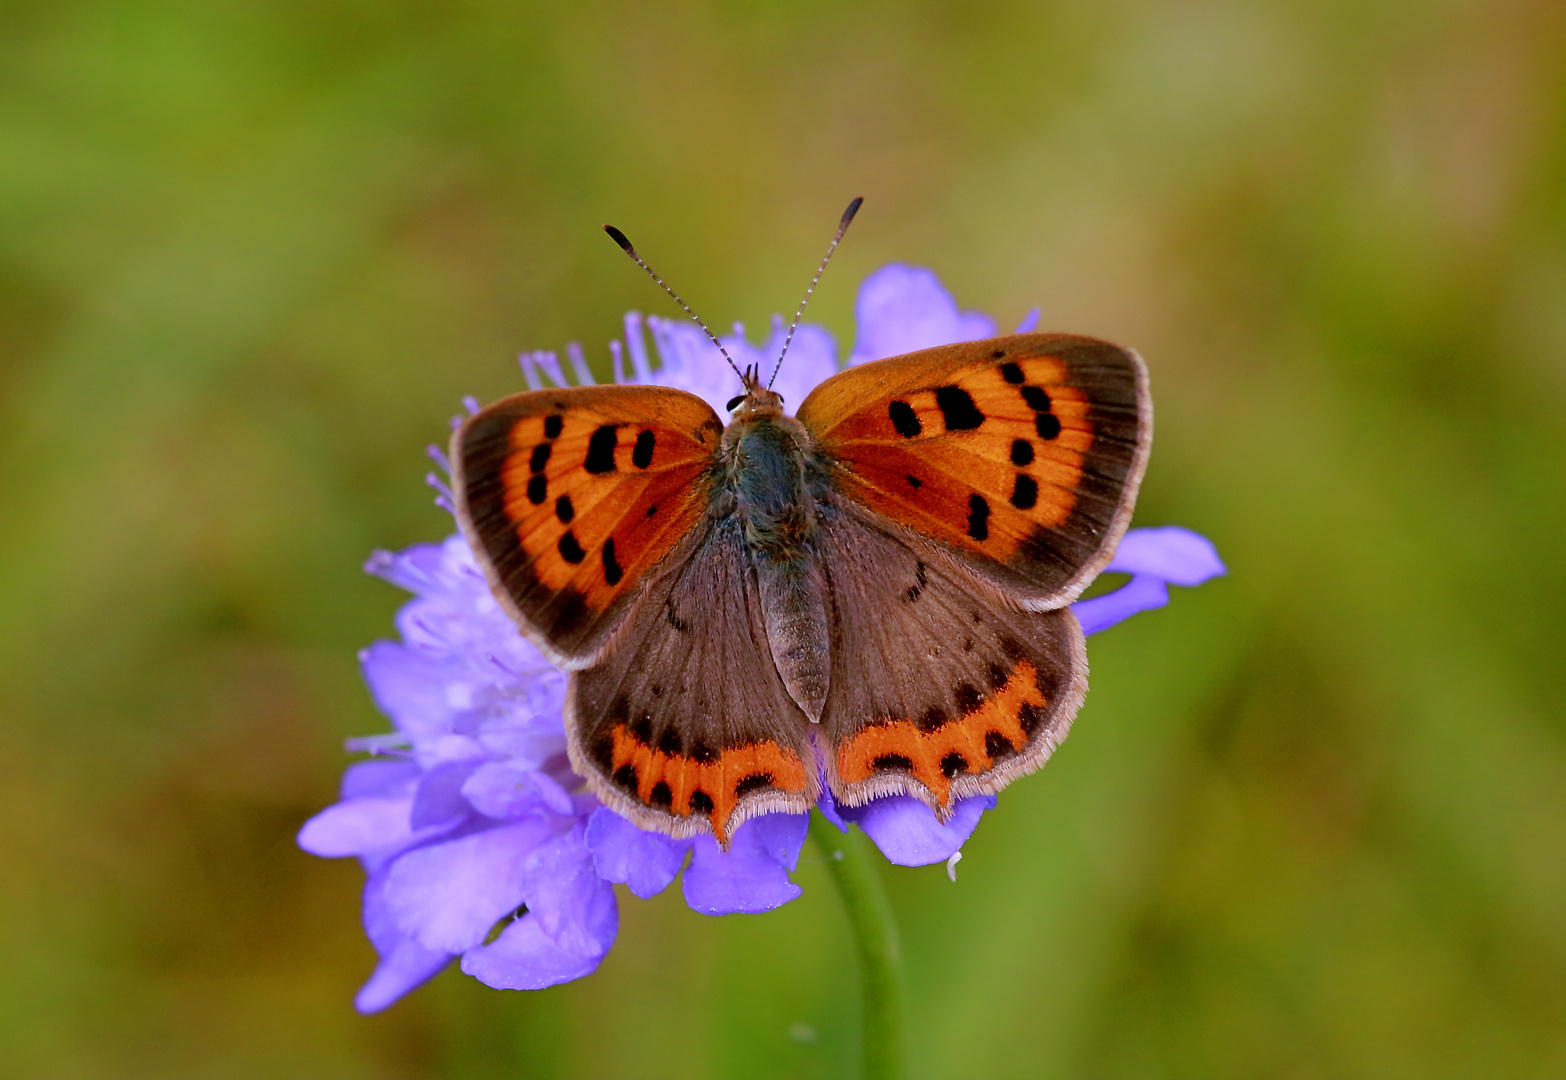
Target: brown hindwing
(684, 725)
(940, 692)
(570, 497)
(1021, 455)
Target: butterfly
(870, 595)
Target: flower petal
(574, 906)
(907, 832)
(643, 861)
(380, 777)
(357, 827)
(407, 966)
(412, 569)
(828, 807)
(404, 963)
(504, 790)
(752, 876)
(438, 800)
(448, 894)
(410, 687)
(904, 308)
(523, 957)
(1144, 592)
(1177, 555)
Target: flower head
(478, 839)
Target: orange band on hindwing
(682, 785)
(1001, 725)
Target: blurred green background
(1312, 821)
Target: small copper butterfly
(871, 594)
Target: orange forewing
(1022, 453)
(573, 495)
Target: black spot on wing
(753, 782)
(540, 457)
(1025, 495)
(537, 489)
(661, 795)
(564, 510)
(996, 744)
(915, 483)
(968, 697)
(612, 571)
(552, 426)
(957, 409)
(625, 776)
(978, 517)
(641, 455)
(669, 741)
(893, 761)
(701, 802)
(1021, 452)
(570, 550)
(1036, 397)
(1047, 425)
(600, 450)
(904, 419)
(1012, 373)
(952, 764)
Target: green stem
(855, 868)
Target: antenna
(842, 227)
(619, 237)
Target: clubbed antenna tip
(620, 238)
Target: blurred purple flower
(479, 841)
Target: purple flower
(479, 841)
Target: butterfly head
(757, 400)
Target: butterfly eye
(734, 403)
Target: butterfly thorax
(768, 456)
(769, 478)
